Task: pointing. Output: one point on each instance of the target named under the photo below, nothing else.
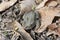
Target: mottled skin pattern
(30, 20)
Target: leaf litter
(29, 19)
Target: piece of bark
(47, 15)
(5, 5)
(21, 30)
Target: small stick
(21, 30)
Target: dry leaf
(52, 26)
(5, 5)
(47, 15)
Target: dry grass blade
(15, 36)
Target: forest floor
(29, 19)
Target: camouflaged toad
(30, 20)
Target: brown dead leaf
(52, 26)
(47, 15)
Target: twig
(21, 30)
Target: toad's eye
(21, 0)
(6, 0)
(0, 1)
